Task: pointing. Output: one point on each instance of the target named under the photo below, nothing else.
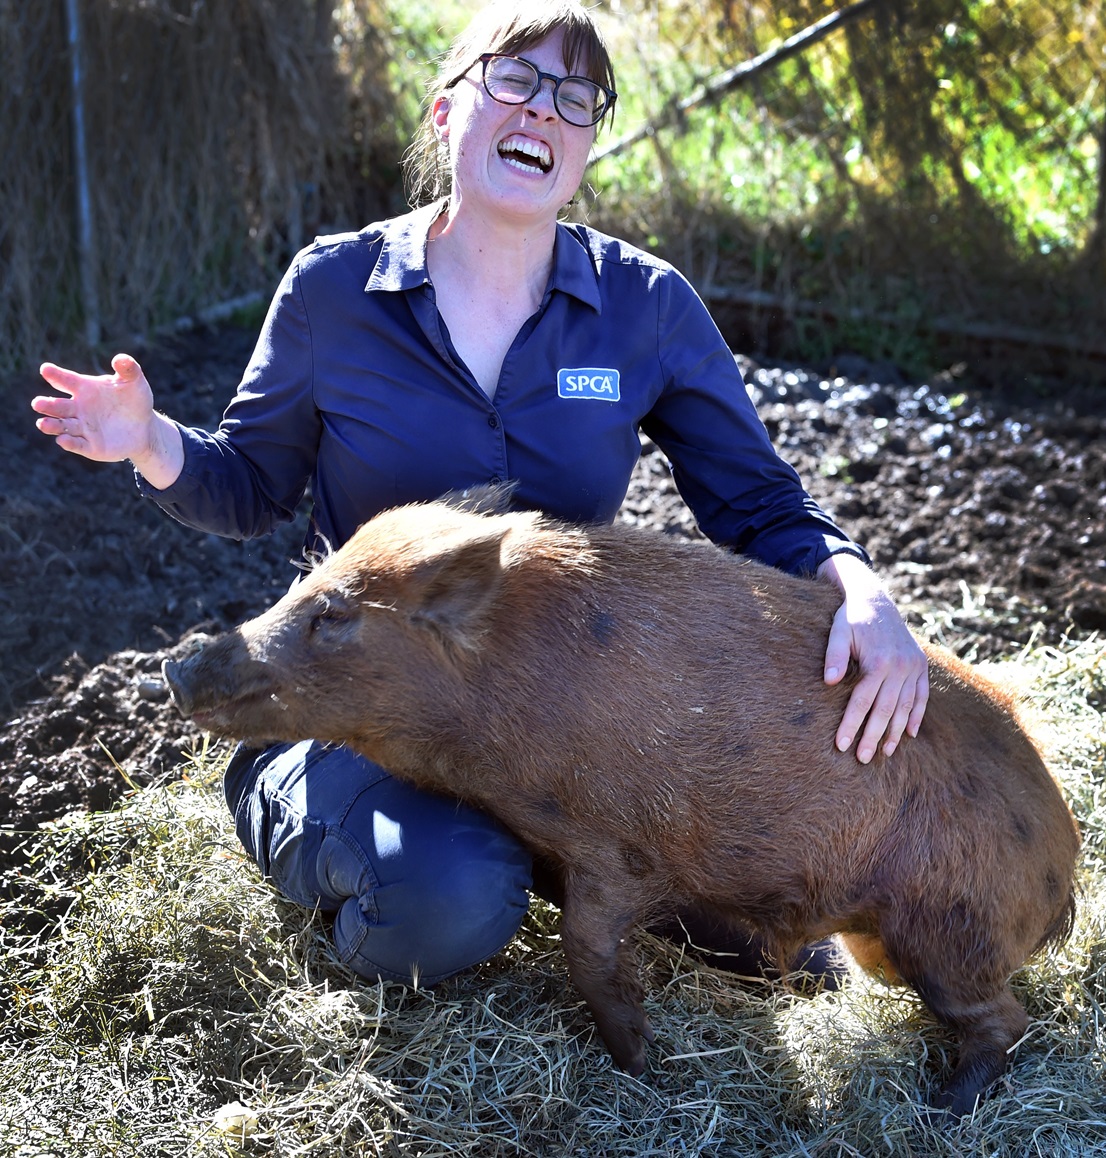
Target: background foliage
(925, 185)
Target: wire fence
(925, 174)
(218, 134)
(926, 179)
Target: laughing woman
(477, 339)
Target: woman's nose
(542, 103)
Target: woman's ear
(439, 116)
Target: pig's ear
(453, 591)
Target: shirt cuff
(833, 547)
(188, 479)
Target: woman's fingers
(104, 417)
(889, 700)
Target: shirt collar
(574, 268)
(401, 258)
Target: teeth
(528, 148)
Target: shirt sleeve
(246, 478)
(743, 495)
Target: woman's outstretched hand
(890, 698)
(109, 418)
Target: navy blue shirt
(355, 389)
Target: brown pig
(650, 715)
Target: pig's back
(686, 705)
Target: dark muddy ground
(987, 518)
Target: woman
(476, 339)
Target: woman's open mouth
(525, 154)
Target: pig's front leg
(595, 932)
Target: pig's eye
(328, 618)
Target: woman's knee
(285, 800)
(456, 907)
(421, 886)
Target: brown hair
(508, 26)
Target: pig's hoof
(949, 1105)
(975, 1074)
(628, 1050)
(629, 1055)
(637, 1067)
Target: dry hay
(158, 998)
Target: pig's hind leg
(987, 1030)
(595, 932)
(962, 977)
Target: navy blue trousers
(419, 885)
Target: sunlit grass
(801, 135)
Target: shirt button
(493, 421)
(495, 480)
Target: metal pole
(1097, 245)
(714, 88)
(86, 239)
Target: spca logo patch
(588, 382)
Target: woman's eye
(580, 95)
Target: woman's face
(519, 162)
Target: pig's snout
(216, 686)
(175, 675)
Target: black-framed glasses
(513, 80)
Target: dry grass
(221, 136)
(151, 981)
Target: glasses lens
(579, 100)
(510, 80)
(513, 81)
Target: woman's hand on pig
(111, 417)
(890, 697)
